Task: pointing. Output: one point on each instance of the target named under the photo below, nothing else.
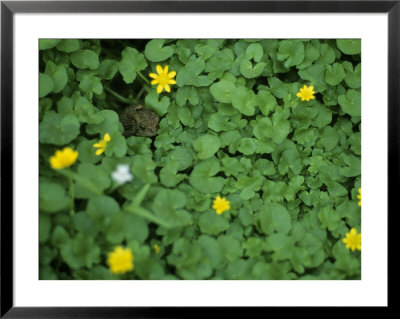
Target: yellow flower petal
(352, 240)
(156, 248)
(107, 137)
(63, 158)
(220, 205)
(306, 93)
(163, 78)
(120, 260)
(100, 151)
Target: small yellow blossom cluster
(101, 145)
(359, 197)
(120, 260)
(352, 240)
(163, 78)
(64, 158)
(156, 248)
(306, 93)
(220, 205)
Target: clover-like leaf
(85, 59)
(58, 74)
(190, 74)
(57, 129)
(274, 217)
(244, 100)
(169, 206)
(69, 45)
(249, 71)
(334, 74)
(315, 74)
(45, 44)
(155, 51)
(52, 197)
(206, 146)
(349, 46)
(156, 103)
(329, 218)
(351, 102)
(46, 84)
(222, 91)
(291, 51)
(202, 177)
(212, 224)
(132, 62)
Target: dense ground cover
(254, 172)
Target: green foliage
(232, 126)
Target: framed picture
(158, 156)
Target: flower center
(307, 94)
(163, 79)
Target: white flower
(122, 174)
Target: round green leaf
(351, 102)
(249, 71)
(222, 90)
(52, 197)
(132, 62)
(334, 74)
(202, 178)
(46, 85)
(212, 224)
(45, 44)
(206, 146)
(85, 59)
(57, 129)
(69, 45)
(291, 51)
(244, 100)
(274, 217)
(349, 46)
(58, 74)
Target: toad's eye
(142, 127)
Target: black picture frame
(9, 8)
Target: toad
(140, 121)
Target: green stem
(140, 196)
(82, 181)
(141, 92)
(72, 195)
(120, 97)
(143, 77)
(142, 212)
(135, 208)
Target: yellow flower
(120, 260)
(221, 205)
(156, 248)
(163, 78)
(359, 197)
(306, 93)
(101, 145)
(352, 240)
(64, 158)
